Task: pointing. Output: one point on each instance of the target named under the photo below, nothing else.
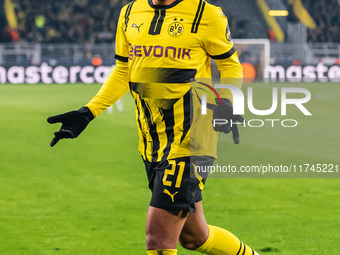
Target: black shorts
(174, 184)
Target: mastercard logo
(249, 72)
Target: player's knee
(153, 242)
(190, 242)
(150, 241)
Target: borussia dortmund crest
(176, 28)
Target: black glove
(225, 112)
(74, 123)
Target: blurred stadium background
(79, 197)
(276, 33)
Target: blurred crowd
(64, 21)
(95, 21)
(326, 14)
(76, 21)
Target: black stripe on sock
(244, 251)
(198, 17)
(239, 250)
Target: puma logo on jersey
(171, 195)
(138, 27)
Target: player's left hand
(225, 112)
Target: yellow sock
(162, 252)
(222, 242)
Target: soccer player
(160, 46)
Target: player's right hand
(225, 112)
(73, 123)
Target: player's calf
(190, 242)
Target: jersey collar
(164, 6)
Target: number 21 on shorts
(172, 171)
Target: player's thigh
(175, 192)
(174, 185)
(195, 230)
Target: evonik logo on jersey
(239, 105)
(158, 51)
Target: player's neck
(162, 2)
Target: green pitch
(90, 196)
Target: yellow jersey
(165, 48)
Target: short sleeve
(122, 47)
(217, 37)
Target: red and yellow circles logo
(249, 72)
(176, 29)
